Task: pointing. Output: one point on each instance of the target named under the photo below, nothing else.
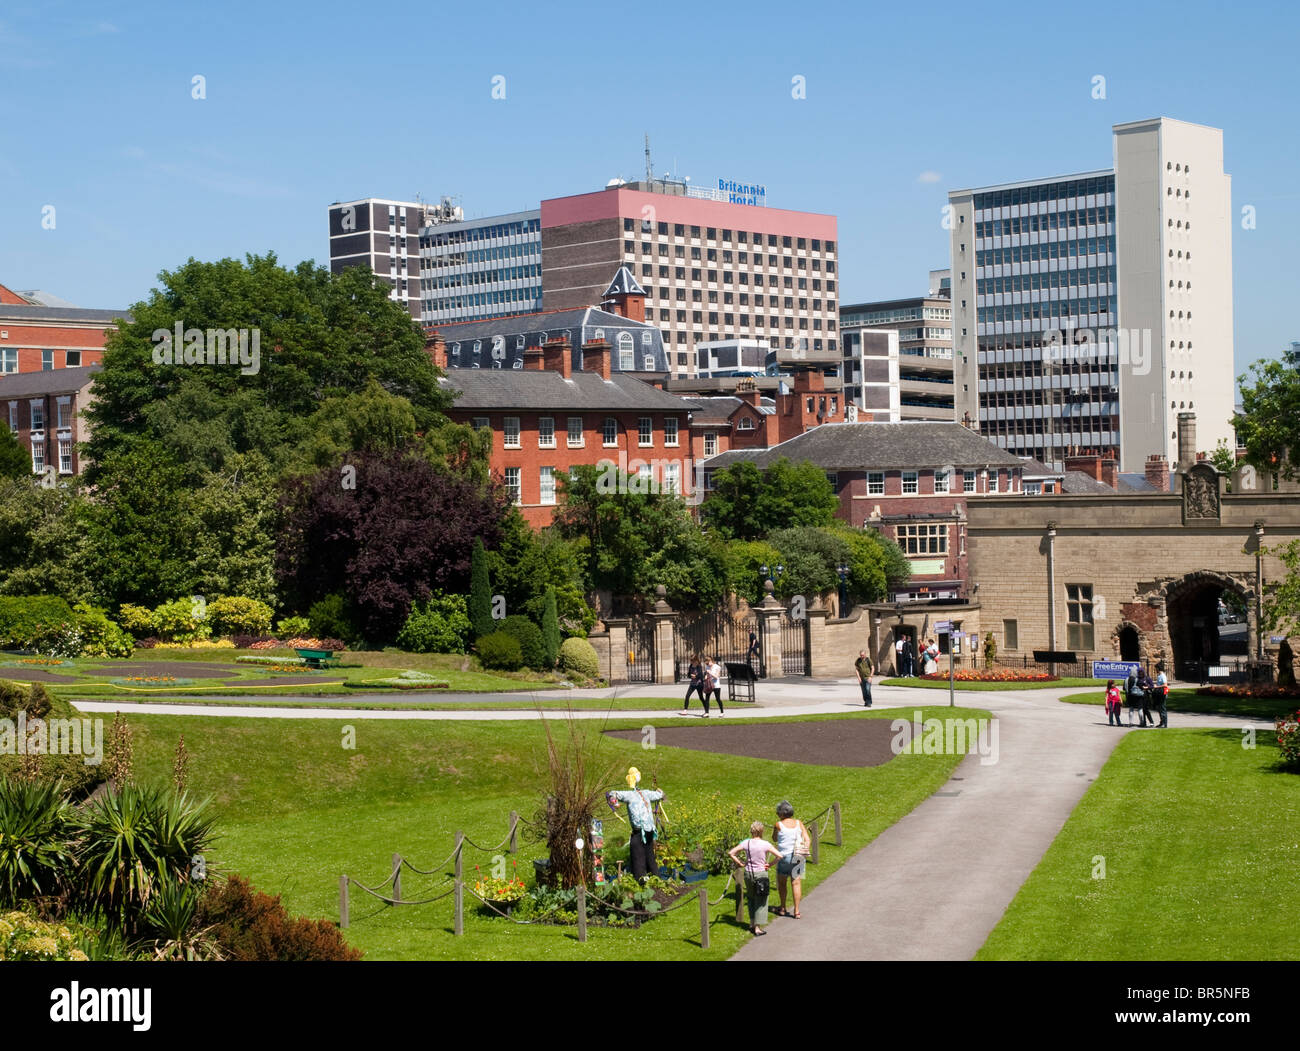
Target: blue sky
(311, 103)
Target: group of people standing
(704, 677)
(791, 849)
(1141, 695)
(905, 657)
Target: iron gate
(794, 645)
(640, 649)
(720, 633)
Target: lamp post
(843, 571)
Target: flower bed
(993, 675)
(1288, 739)
(407, 680)
(1252, 691)
(298, 662)
(152, 680)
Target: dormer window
(745, 423)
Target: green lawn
(296, 809)
(1201, 859)
(518, 702)
(1188, 700)
(461, 673)
(934, 684)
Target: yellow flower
(78, 956)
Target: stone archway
(1128, 641)
(1191, 620)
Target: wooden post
(739, 877)
(343, 901)
(460, 907)
(582, 912)
(397, 877)
(815, 833)
(704, 918)
(839, 827)
(460, 841)
(514, 832)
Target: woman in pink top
(1113, 703)
(752, 854)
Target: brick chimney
(596, 357)
(1157, 472)
(747, 391)
(557, 356)
(1103, 469)
(435, 348)
(534, 360)
(806, 406)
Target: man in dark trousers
(909, 657)
(864, 668)
(641, 817)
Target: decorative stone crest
(1200, 494)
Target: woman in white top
(793, 843)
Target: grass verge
(1197, 838)
(296, 808)
(1192, 703)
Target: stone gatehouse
(1135, 576)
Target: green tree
(1269, 422)
(44, 543)
(14, 459)
(480, 592)
(551, 629)
(744, 562)
(527, 562)
(810, 556)
(875, 562)
(746, 503)
(636, 540)
(322, 337)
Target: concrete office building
(472, 269)
(922, 328)
(383, 235)
(870, 373)
(712, 269)
(1090, 309)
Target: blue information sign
(1114, 669)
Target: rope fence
(511, 842)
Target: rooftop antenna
(649, 169)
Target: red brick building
(550, 416)
(908, 480)
(39, 335)
(44, 409)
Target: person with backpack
(1137, 696)
(1112, 704)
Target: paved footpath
(935, 884)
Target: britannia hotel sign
(732, 192)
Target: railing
(511, 843)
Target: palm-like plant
(37, 829)
(138, 841)
(171, 915)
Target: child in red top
(1113, 703)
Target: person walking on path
(714, 685)
(695, 683)
(793, 841)
(641, 818)
(864, 668)
(753, 656)
(1112, 704)
(1161, 695)
(757, 885)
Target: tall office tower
(923, 334)
(383, 235)
(716, 264)
(472, 269)
(1081, 321)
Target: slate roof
(36, 312)
(1038, 469)
(1082, 483)
(48, 381)
(623, 284)
(719, 409)
(859, 446)
(579, 324)
(497, 389)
